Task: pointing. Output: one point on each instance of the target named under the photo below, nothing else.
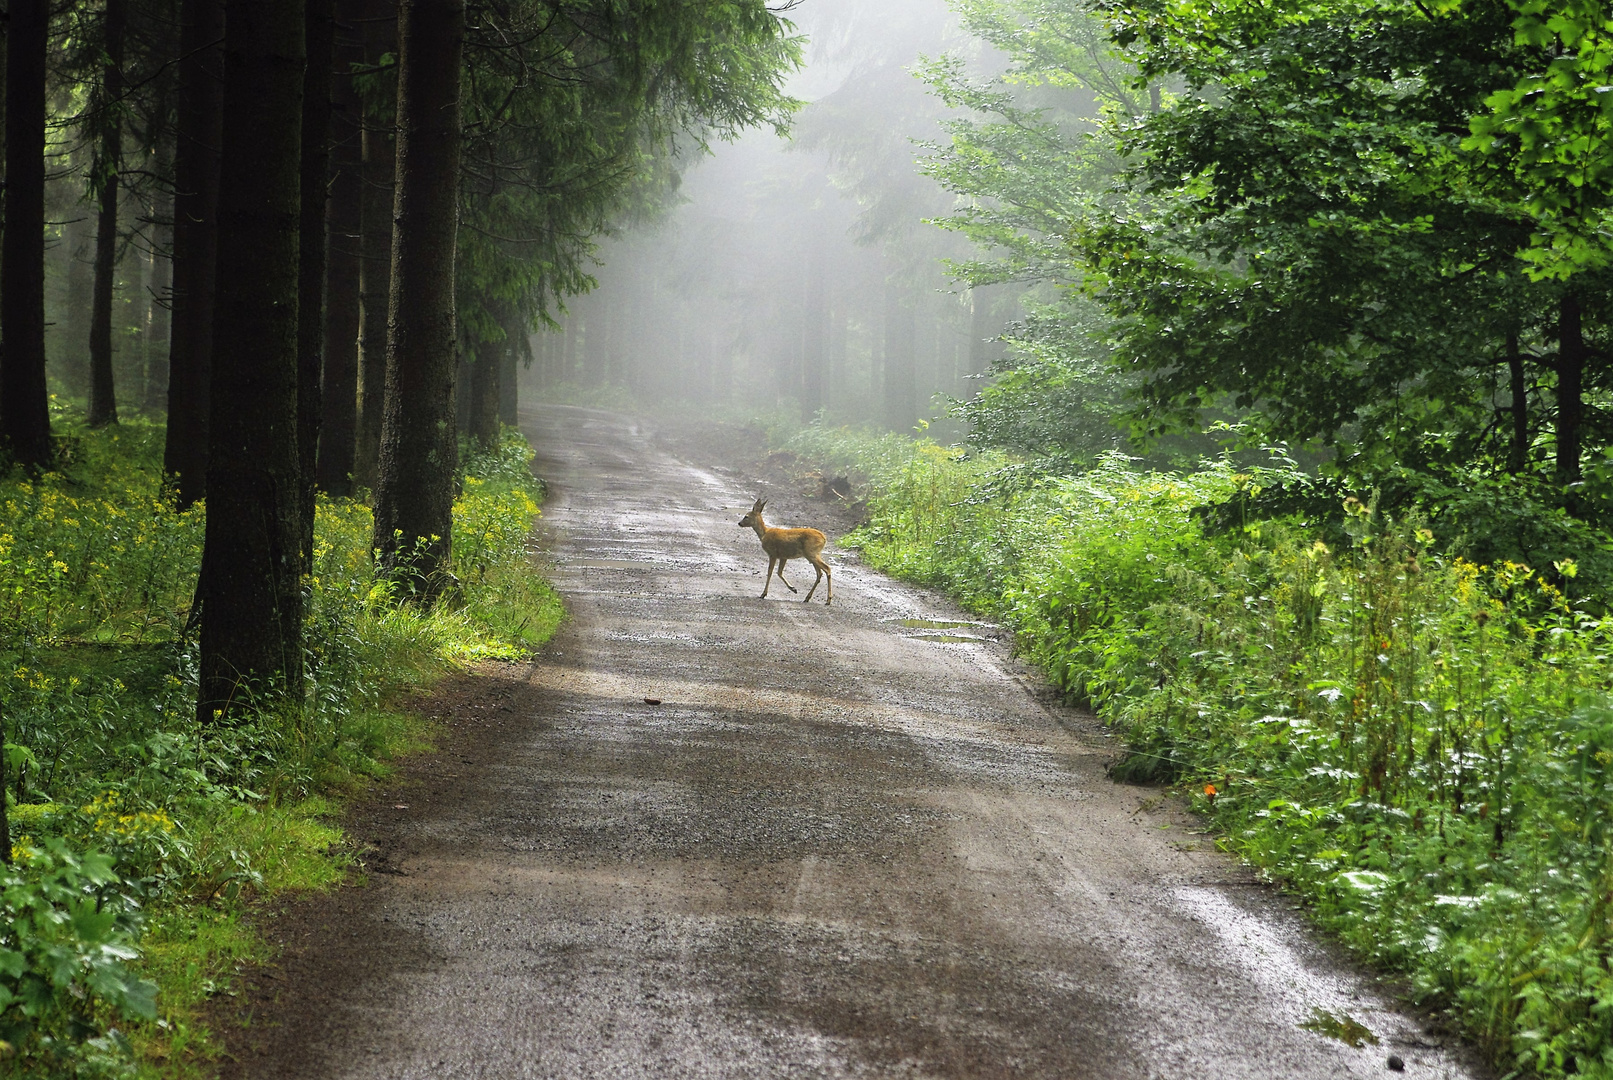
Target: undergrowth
(1418, 744)
(139, 837)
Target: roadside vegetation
(1417, 741)
(140, 837)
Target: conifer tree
(197, 131)
(24, 402)
(250, 590)
(419, 440)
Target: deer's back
(793, 543)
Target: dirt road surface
(849, 842)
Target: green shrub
(65, 943)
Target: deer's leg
(768, 583)
(787, 585)
(823, 575)
(815, 583)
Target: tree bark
(492, 378)
(414, 496)
(107, 167)
(251, 589)
(1518, 447)
(196, 165)
(901, 391)
(485, 377)
(24, 400)
(1570, 388)
(344, 224)
(320, 44)
(464, 392)
(375, 281)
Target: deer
(782, 545)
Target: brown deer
(782, 545)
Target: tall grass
(1419, 745)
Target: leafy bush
(65, 943)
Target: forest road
(850, 841)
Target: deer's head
(754, 518)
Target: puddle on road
(944, 630)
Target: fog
(797, 274)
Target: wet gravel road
(849, 842)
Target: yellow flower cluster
(110, 563)
(106, 812)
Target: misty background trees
(799, 273)
(1065, 229)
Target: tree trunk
(835, 392)
(484, 397)
(900, 376)
(375, 281)
(464, 392)
(814, 337)
(108, 165)
(982, 330)
(190, 342)
(251, 585)
(1570, 389)
(158, 327)
(79, 237)
(1518, 448)
(722, 366)
(414, 496)
(517, 348)
(544, 359)
(320, 42)
(24, 400)
(5, 820)
(344, 224)
(568, 352)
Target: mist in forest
(798, 274)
